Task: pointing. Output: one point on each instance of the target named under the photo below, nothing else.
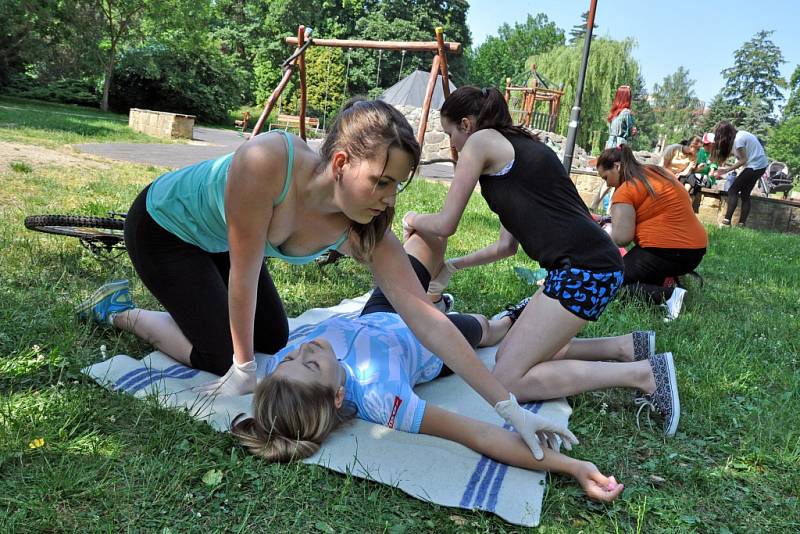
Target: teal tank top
(190, 203)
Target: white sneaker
(446, 303)
(675, 303)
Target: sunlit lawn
(112, 463)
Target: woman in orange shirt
(652, 209)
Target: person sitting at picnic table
(653, 210)
(680, 160)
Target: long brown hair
(724, 135)
(366, 129)
(631, 170)
(290, 419)
(487, 105)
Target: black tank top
(538, 203)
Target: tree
(721, 110)
(678, 111)
(172, 20)
(755, 72)
(578, 32)
(645, 119)
(792, 108)
(756, 118)
(784, 145)
(610, 66)
(505, 55)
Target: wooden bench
(242, 124)
(293, 121)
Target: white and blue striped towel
(425, 467)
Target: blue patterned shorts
(584, 293)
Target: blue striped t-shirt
(383, 362)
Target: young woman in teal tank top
(197, 238)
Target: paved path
(208, 143)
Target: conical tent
(410, 91)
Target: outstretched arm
(471, 163)
(505, 246)
(507, 447)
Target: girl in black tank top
(525, 184)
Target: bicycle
(102, 236)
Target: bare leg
(157, 328)
(492, 330)
(618, 348)
(544, 330)
(550, 380)
(429, 250)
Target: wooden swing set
(297, 62)
(530, 95)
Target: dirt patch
(37, 155)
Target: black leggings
(468, 325)
(646, 269)
(742, 186)
(192, 285)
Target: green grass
(113, 463)
(53, 125)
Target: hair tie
(619, 147)
(485, 92)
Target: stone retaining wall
(161, 123)
(766, 213)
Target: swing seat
(285, 122)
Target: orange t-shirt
(663, 221)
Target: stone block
(161, 124)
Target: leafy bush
(67, 91)
(197, 82)
(784, 145)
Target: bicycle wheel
(96, 233)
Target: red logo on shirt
(395, 408)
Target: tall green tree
(792, 108)
(644, 117)
(784, 145)
(678, 111)
(755, 73)
(579, 30)
(611, 65)
(721, 110)
(756, 118)
(505, 55)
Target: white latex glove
(438, 284)
(239, 380)
(531, 427)
(407, 228)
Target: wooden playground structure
(297, 62)
(522, 101)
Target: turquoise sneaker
(109, 299)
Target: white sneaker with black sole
(675, 303)
(664, 399)
(512, 311)
(446, 303)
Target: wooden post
(445, 78)
(426, 105)
(531, 103)
(301, 62)
(411, 46)
(271, 100)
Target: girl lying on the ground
(366, 367)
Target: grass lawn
(109, 462)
